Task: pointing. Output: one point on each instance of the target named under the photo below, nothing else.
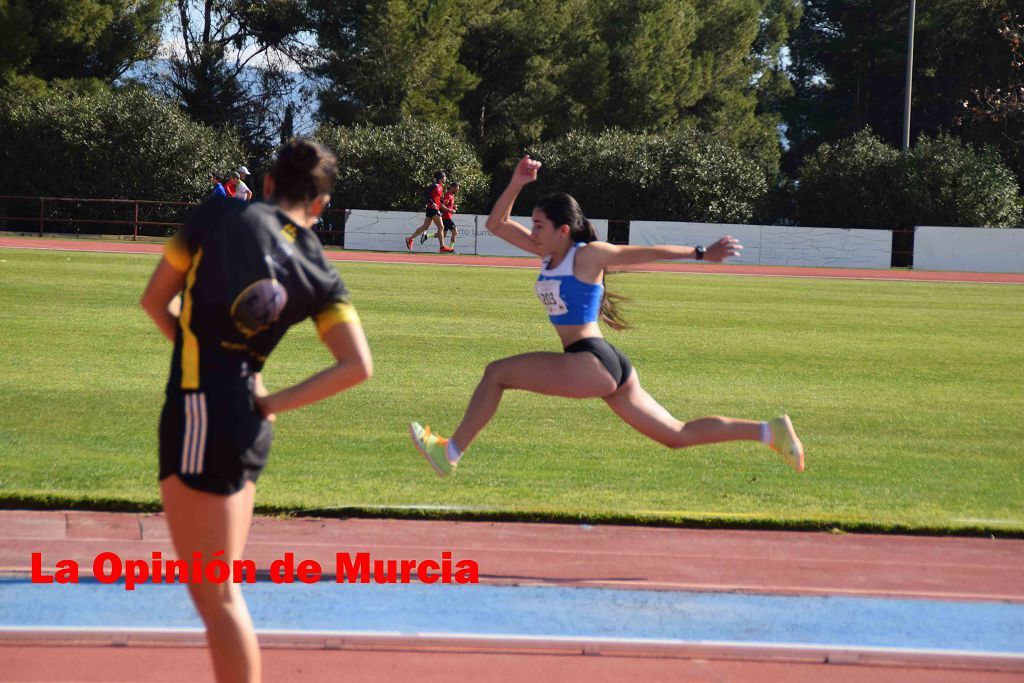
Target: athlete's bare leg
(440, 231)
(572, 375)
(208, 523)
(422, 228)
(641, 412)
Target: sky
(172, 44)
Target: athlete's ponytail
(562, 209)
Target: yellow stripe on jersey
(177, 254)
(189, 343)
(332, 313)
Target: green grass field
(908, 397)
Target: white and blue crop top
(569, 301)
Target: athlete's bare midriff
(570, 334)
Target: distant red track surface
(115, 247)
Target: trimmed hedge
(113, 144)
(684, 175)
(388, 167)
(863, 182)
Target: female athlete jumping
(571, 287)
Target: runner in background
(432, 206)
(448, 209)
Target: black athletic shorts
(432, 212)
(611, 358)
(448, 223)
(213, 441)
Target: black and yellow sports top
(250, 275)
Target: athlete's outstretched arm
(161, 292)
(351, 352)
(500, 221)
(605, 255)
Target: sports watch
(698, 253)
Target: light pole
(910, 77)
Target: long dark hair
(562, 209)
(304, 170)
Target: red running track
(509, 553)
(126, 247)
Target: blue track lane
(540, 612)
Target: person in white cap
(242, 190)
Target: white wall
(777, 245)
(982, 250)
(783, 245)
(380, 230)
(387, 230)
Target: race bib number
(549, 293)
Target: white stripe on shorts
(183, 468)
(193, 446)
(201, 446)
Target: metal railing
(132, 218)
(72, 213)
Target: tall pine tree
(75, 43)
(848, 64)
(386, 60)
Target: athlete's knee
(213, 600)
(504, 373)
(495, 373)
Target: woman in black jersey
(244, 273)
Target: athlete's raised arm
(500, 221)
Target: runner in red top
(432, 202)
(447, 209)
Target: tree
(997, 113)
(75, 43)
(237, 65)
(121, 144)
(542, 72)
(848, 65)
(288, 123)
(549, 67)
(745, 43)
(387, 60)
